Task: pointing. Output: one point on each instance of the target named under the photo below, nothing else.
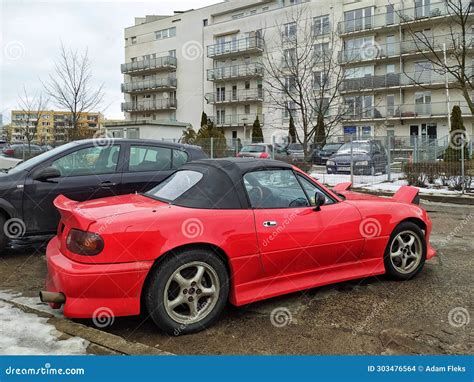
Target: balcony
(375, 52)
(236, 47)
(399, 16)
(427, 78)
(237, 120)
(235, 96)
(405, 111)
(235, 72)
(151, 65)
(149, 85)
(150, 105)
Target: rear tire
(405, 254)
(187, 292)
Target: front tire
(405, 254)
(187, 291)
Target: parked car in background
(296, 151)
(256, 150)
(321, 155)
(83, 170)
(22, 151)
(369, 158)
(182, 258)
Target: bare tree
(71, 88)
(458, 46)
(303, 75)
(32, 108)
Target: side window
(274, 189)
(89, 161)
(311, 190)
(179, 158)
(149, 158)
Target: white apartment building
(210, 59)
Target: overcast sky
(31, 32)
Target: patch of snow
(26, 333)
(35, 303)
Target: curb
(107, 342)
(467, 200)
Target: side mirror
(319, 200)
(46, 174)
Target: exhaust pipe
(52, 297)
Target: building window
(165, 33)
(247, 109)
(321, 25)
(358, 19)
(290, 110)
(172, 53)
(289, 57)
(289, 31)
(321, 80)
(321, 51)
(133, 40)
(205, 22)
(247, 85)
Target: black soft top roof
(221, 186)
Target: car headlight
(330, 163)
(362, 163)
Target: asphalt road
(431, 314)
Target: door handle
(107, 184)
(270, 223)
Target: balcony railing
(150, 105)
(235, 72)
(235, 47)
(150, 65)
(405, 111)
(236, 120)
(391, 80)
(399, 16)
(375, 51)
(233, 96)
(152, 84)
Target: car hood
(357, 155)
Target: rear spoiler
(342, 186)
(407, 194)
(72, 214)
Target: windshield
(253, 149)
(356, 146)
(331, 147)
(295, 146)
(40, 158)
(175, 186)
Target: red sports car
(238, 230)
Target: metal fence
(438, 165)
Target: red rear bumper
(92, 287)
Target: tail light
(9, 151)
(84, 243)
(264, 155)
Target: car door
(292, 236)
(149, 164)
(87, 172)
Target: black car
(321, 155)
(369, 158)
(82, 170)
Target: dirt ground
(430, 314)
